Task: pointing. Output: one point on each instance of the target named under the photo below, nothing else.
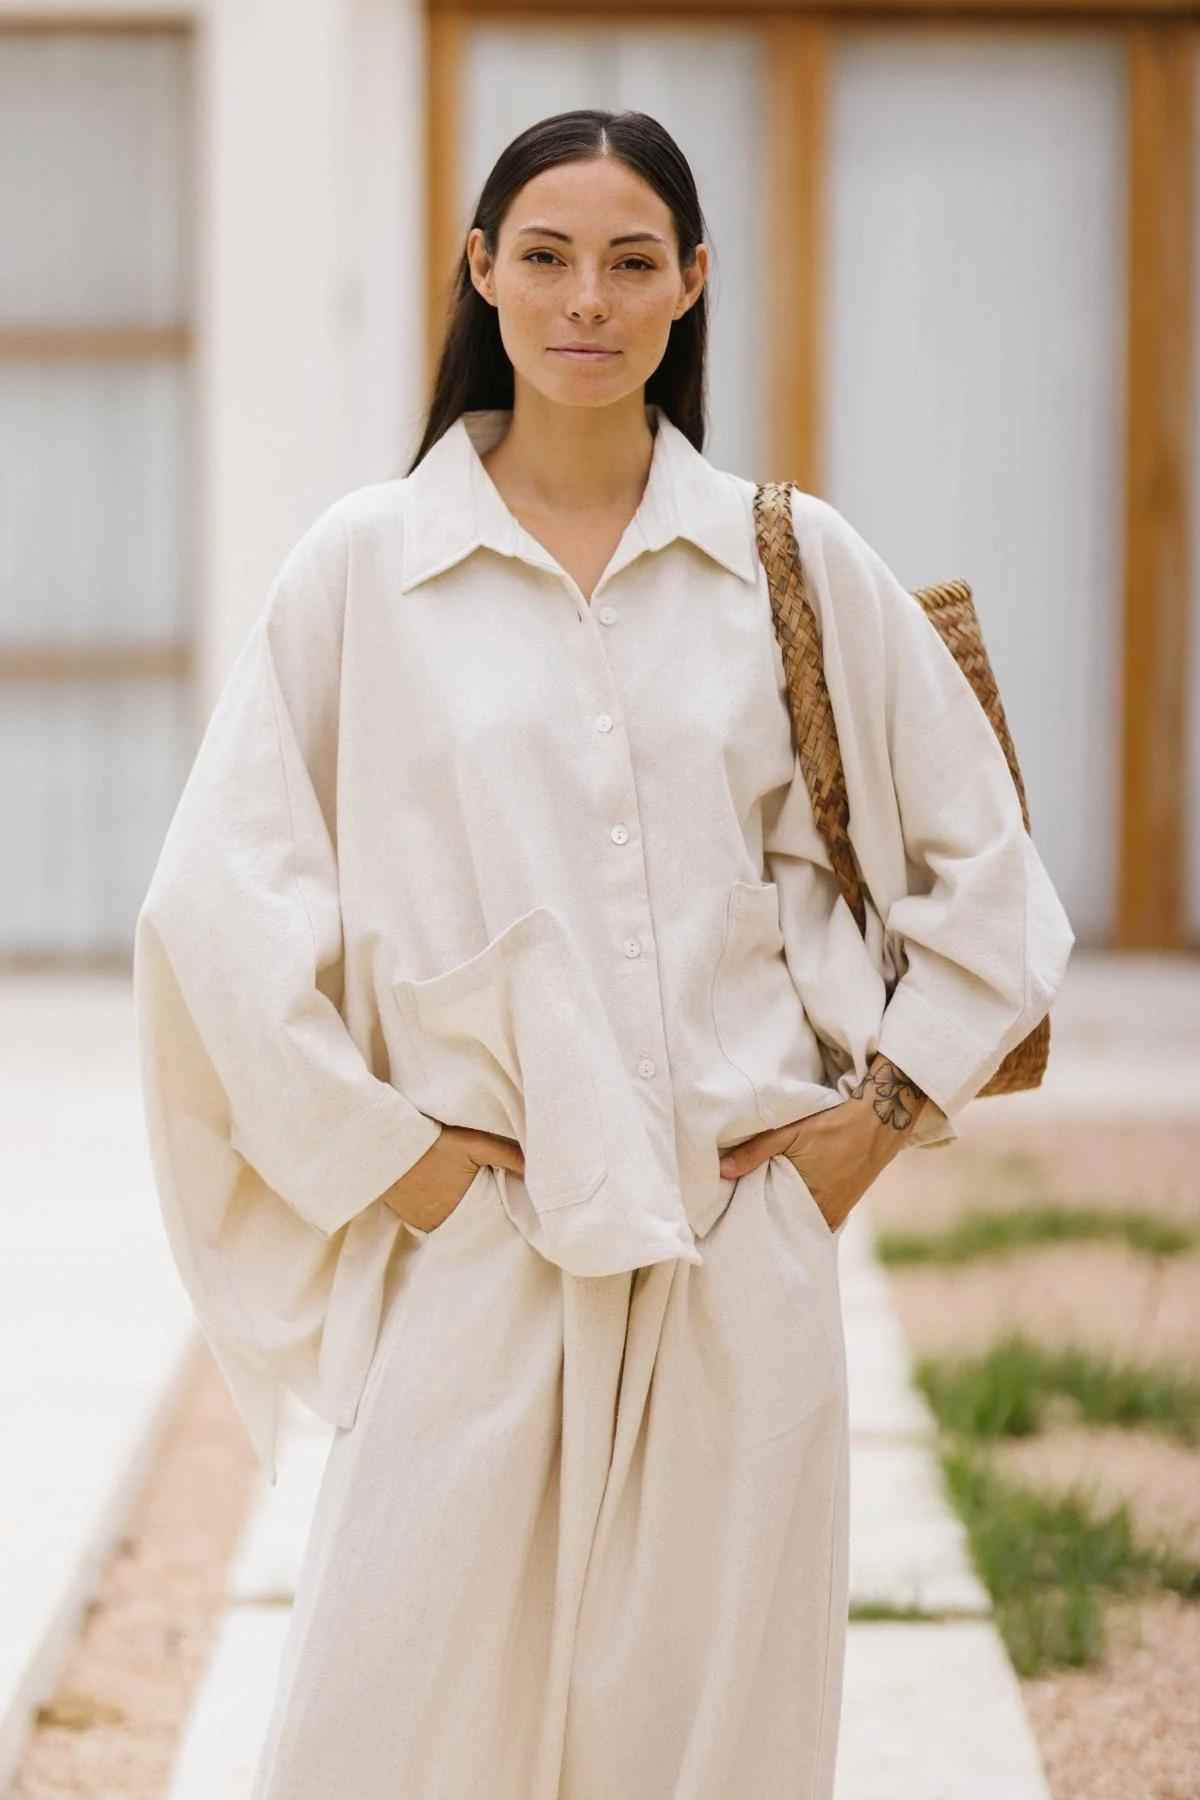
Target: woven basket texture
(951, 610)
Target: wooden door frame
(1158, 601)
(1158, 579)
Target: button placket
(642, 1023)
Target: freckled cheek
(524, 327)
(524, 305)
(653, 305)
(532, 315)
(649, 321)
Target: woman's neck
(574, 459)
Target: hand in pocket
(836, 1151)
(429, 1192)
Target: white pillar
(311, 286)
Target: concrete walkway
(932, 1709)
(94, 1323)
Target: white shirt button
(607, 615)
(646, 1067)
(604, 722)
(632, 947)
(619, 834)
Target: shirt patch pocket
(501, 1045)
(757, 1013)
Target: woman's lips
(588, 355)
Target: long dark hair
(473, 368)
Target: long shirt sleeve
(270, 1132)
(243, 910)
(976, 928)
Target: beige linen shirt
(460, 846)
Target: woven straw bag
(951, 610)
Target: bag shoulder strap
(950, 608)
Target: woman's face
(559, 278)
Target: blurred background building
(954, 292)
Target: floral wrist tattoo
(895, 1099)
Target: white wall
(261, 183)
(1191, 749)
(310, 236)
(312, 310)
(95, 473)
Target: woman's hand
(840, 1150)
(428, 1192)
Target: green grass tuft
(1008, 1390)
(1050, 1560)
(888, 1609)
(1004, 1231)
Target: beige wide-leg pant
(587, 1538)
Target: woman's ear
(480, 265)
(694, 278)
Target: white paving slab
(934, 1712)
(228, 1723)
(267, 1565)
(929, 1713)
(907, 1547)
(883, 1400)
(94, 1325)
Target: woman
(513, 1064)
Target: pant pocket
(766, 1314)
(806, 1195)
(482, 1183)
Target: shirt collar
(455, 507)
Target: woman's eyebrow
(630, 237)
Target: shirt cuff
(360, 1162)
(946, 1062)
(933, 1127)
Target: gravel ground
(1093, 1163)
(110, 1730)
(1099, 1295)
(1129, 1728)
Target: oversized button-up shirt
(461, 846)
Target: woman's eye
(640, 261)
